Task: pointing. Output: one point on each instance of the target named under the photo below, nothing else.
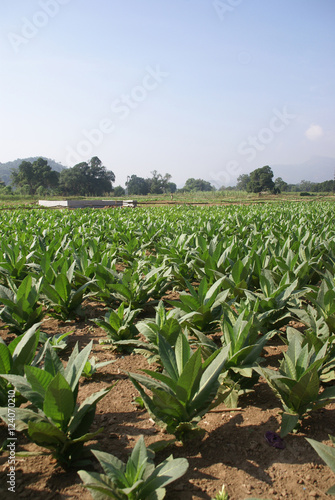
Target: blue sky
(195, 88)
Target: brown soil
(233, 450)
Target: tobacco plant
(297, 382)
(54, 420)
(201, 308)
(183, 393)
(166, 324)
(135, 288)
(63, 300)
(22, 306)
(16, 355)
(119, 326)
(91, 366)
(138, 479)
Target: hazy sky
(195, 88)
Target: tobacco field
(168, 352)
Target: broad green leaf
(305, 391)
(59, 402)
(182, 352)
(89, 403)
(5, 359)
(52, 363)
(164, 474)
(24, 388)
(22, 417)
(190, 377)
(46, 434)
(63, 287)
(327, 453)
(209, 382)
(38, 379)
(76, 365)
(112, 466)
(289, 421)
(25, 350)
(100, 486)
(24, 289)
(168, 358)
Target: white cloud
(314, 132)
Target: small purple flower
(273, 439)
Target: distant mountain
(317, 169)
(6, 168)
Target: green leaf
(22, 417)
(46, 434)
(305, 391)
(24, 289)
(289, 421)
(165, 473)
(190, 377)
(76, 365)
(209, 382)
(59, 402)
(24, 388)
(63, 287)
(38, 379)
(86, 407)
(112, 466)
(168, 358)
(182, 352)
(100, 486)
(52, 363)
(327, 453)
(5, 359)
(25, 349)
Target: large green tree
(198, 185)
(137, 185)
(157, 184)
(86, 179)
(242, 182)
(280, 185)
(31, 176)
(161, 183)
(261, 180)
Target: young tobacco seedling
(64, 300)
(274, 299)
(54, 420)
(201, 308)
(297, 383)
(119, 326)
(327, 453)
(138, 479)
(317, 334)
(166, 324)
(135, 290)
(243, 355)
(91, 366)
(58, 341)
(183, 393)
(222, 494)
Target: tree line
(85, 178)
(91, 178)
(261, 179)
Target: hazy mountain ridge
(6, 168)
